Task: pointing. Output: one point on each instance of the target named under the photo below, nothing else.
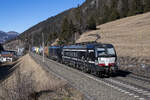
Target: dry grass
(131, 36)
(31, 82)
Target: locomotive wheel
(89, 71)
(100, 74)
(74, 65)
(84, 69)
(61, 62)
(109, 73)
(77, 66)
(94, 72)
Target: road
(94, 88)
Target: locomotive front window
(111, 51)
(101, 51)
(105, 51)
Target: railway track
(135, 76)
(93, 86)
(139, 77)
(130, 88)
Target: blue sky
(19, 15)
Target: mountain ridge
(102, 10)
(5, 36)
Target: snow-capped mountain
(5, 36)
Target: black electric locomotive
(96, 58)
(55, 53)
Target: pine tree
(91, 23)
(72, 30)
(52, 37)
(147, 6)
(125, 9)
(114, 15)
(106, 15)
(68, 30)
(79, 20)
(137, 8)
(64, 30)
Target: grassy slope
(131, 35)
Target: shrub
(21, 89)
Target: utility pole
(43, 46)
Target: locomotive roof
(54, 47)
(88, 46)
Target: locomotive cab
(106, 58)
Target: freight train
(95, 58)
